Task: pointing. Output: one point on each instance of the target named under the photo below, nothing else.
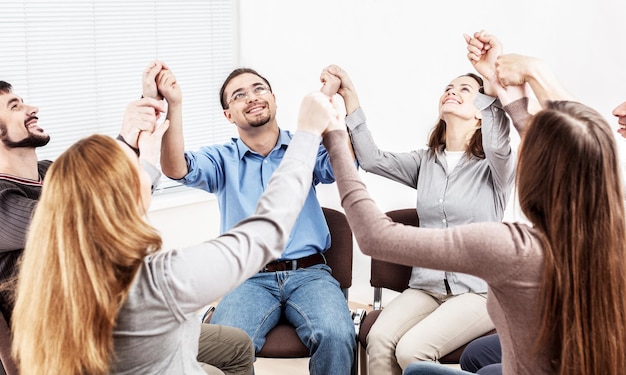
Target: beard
(32, 140)
(260, 121)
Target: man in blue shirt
(299, 285)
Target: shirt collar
(284, 137)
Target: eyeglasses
(240, 96)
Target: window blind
(80, 62)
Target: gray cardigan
(158, 328)
(477, 190)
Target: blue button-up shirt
(238, 177)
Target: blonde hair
(570, 188)
(86, 242)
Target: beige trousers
(421, 326)
(224, 350)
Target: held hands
(148, 80)
(515, 69)
(485, 52)
(150, 143)
(318, 114)
(330, 83)
(482, 51)
(140, 116)
(337, 81)
(159, 82)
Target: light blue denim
(431, 368)
(310, 298)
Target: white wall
(401, 54)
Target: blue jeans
(431, 368)
(310, 299)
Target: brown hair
(5, 87)
(570, 188)
(235, 73)
(438, 134)
(86, 242)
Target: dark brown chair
(8, 365)
(282, 340)
(386, 275)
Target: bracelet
(135, 149)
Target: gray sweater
(476, 190)
(158, 328)
(18, 198)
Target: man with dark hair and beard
(299, 286)
(21, 176)
(222, 350)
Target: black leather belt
(294, 264)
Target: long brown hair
(570, 188)
(438, 134)
(86, 242)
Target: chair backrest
(339, 255)
(8, 365)
(392, 275)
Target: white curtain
(80, 62)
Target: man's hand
(168, 87)
(148, 80)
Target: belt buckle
(293, 263)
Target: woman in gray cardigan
(465, 175)
(121, 305)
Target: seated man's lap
(309, 297)
(316, 304)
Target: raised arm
(483, 50)
(513, 69)
(335, 81)
(160, 82)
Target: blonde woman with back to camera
(122, 304)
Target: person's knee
(407, 353)
(339, 335)
(378, 335)
(244, 344)
(468, 360)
